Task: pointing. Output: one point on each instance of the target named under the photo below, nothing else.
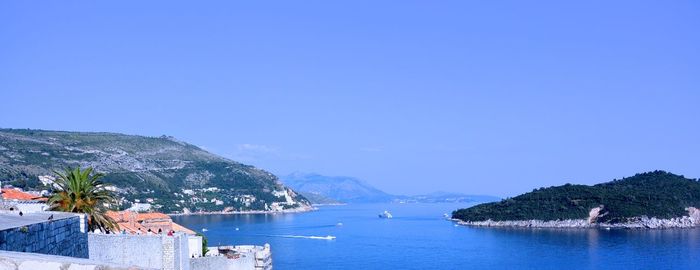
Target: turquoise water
(418, 237)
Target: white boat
(386, 214)
(205, 229)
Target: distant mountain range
(443, 197)
(338, 188)
(320, 189)
(171, 175)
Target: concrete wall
(195, 246)
(151, 251)
(221, 263)
(33, 261)
(180, 251)
(61, 237)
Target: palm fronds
(81, 191)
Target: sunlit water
(418, 237)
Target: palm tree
(81, 191)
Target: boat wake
(329, 237)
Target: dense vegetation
(654, 194)
(154, 169)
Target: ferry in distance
(385, 214)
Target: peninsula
(160, 174)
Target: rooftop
(15, 194)
(144, 220)
(12, 219)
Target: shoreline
(252, 212)
(684, 222)
(328, 204)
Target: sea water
(419, 237)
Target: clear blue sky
(490, 97)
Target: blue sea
(419, 237)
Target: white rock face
(693, 214)
(593, 214)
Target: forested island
(652, 199)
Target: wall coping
(12, 219)
(11, 258)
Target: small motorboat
(205, 230)
(385, 214)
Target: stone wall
(150, 251)
(204, 263)
(21, 261)
(61, 237)
(221, 263)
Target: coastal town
(33, 235)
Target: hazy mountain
(447, 197)
(170, 174)
(351, 190)
(339, 188)
(317, 198)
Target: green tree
(81, 191)
(205, 242)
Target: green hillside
(170, 174)
(654, 194)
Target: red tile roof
(13, 194)
(144, 220)
(179, 228)
(147, 216)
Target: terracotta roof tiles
(148, 219)
(13, 194)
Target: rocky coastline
(692, 220)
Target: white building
(46, 179)
(243, 257)
(140, 207)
